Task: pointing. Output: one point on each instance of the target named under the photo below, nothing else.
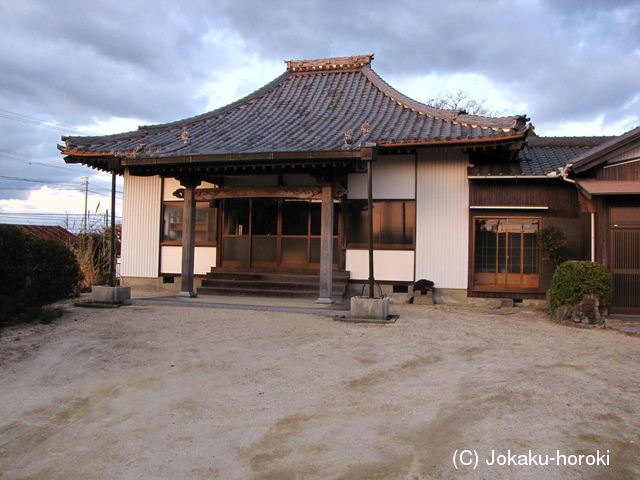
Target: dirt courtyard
(162, 392)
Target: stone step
(270, 283)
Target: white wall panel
(388, 265)
(442, 211)
(171, 260)
(141, 226)
(394, 177)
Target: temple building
(269, 195)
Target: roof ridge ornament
(348, 139)
(329, 64)
(185, 135)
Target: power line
(31, 180)
(28, 155)
(48, 165)
(38, 122)
(97, 190)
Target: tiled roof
(597, 156)
(51, 232)
(540, 156)
(316, 105)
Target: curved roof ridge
(516, 122)
(143, 130)
(315, 105)
(260, 92)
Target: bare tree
(461, 102)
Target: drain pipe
(564, 173)
(593, 236)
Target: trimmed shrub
(573, 279)
(53, 271)
(13, 270)
(36, 271)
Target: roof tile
(308, 108)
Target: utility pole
(86, 199)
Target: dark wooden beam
(326, 246)
(304, 193)
(188, 237)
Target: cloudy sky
(70, 67)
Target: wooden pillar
(188, 238)
(112, 249)
(326, 246)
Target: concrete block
(374, 308)
(106, 294)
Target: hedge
(573, 279)
(35, 271)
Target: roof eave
(250, 157)
(111, 162)
(595, 158)
(469, 143)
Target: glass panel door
(266, 232)
(506, 254)
(235, 232)
(295, 233)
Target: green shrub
(573, 279)
(552, 241)
(36, 272)
(13, 270)
(53, 271)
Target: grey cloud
(73, 61)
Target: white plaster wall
(388, 265)
(141, 226)
(394, 177)
(442, 223)
(171, 260)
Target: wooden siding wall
(604, 204)
(564, 211)
(561, 197)
(624, 171)
(141, 226)
(442, 218)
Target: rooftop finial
(324, 64)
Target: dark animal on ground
(423, 286)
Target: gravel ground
(160, 392)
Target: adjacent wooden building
(608, 181)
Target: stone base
(373, 308)
(106, 294)
(325, 301)
(185, 294)
(584, 315)
(420, 299)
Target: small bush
(94, 257)
(36, 272)
(13, 269)
(573, 279)
(52, 269)
(552, 241)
